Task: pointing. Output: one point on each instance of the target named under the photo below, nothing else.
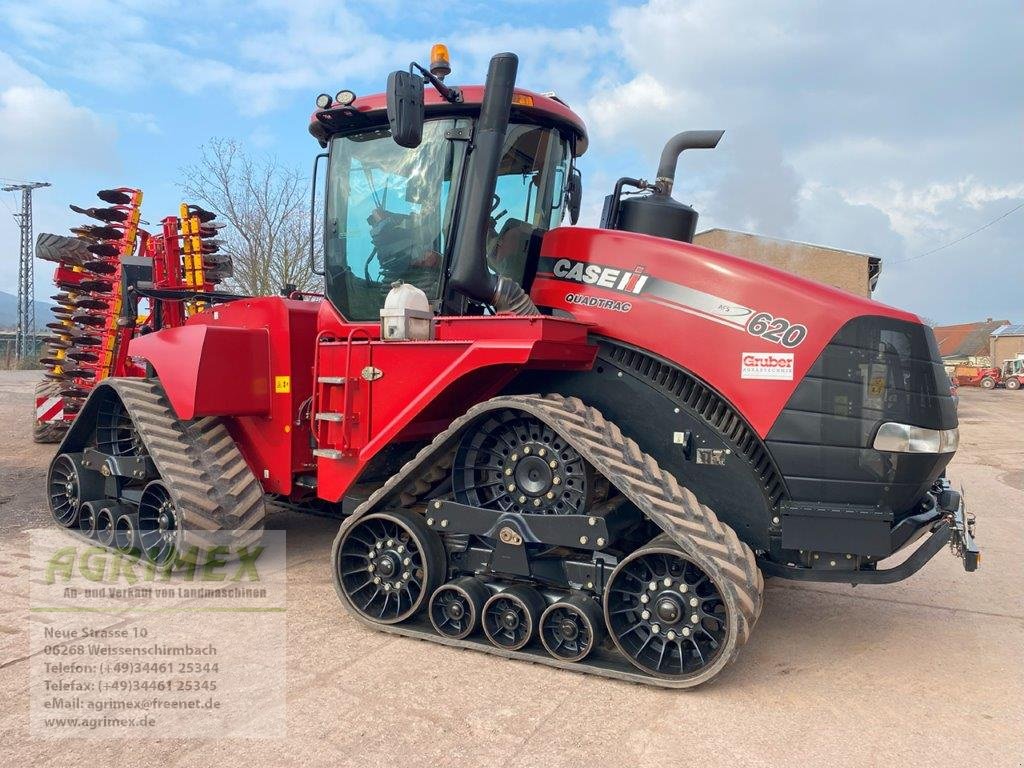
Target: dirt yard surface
(926, 672)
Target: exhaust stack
(674, 147)
(658, 213)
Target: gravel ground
(926, 672)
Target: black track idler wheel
(456, 607)
(514, 463)
(666, 615)
(158, 523)
(388, 564)
(510, 618)
(570, 629)
(69, 487)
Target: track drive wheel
(456, 607)
(510, 618)
(668, 616)
(387, 565)
(570, 629)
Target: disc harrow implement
(96, 315)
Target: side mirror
(574, 194)
(405, 108)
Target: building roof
(780, 240)
(1010, 330)
(966, 339)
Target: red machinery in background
(104, 271)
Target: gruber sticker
(767, 365)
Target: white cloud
(43, 132)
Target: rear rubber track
(711, 544)
(209, 480)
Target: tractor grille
(697, 397)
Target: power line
(962, 238)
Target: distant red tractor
(986, 377)
(582, 447)
(1010, 375)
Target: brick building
(1006, 343)
(849, 270)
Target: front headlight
(904, 438)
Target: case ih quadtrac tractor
(583, 447)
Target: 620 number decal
(777, 329)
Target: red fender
(210, 370)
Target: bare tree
(266, 207)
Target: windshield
(389, 210)
(387, 213)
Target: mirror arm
(312, 217)
(451, 95)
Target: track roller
(70, 487)
(570, 629)
(126, 531)
(87, 518)
(388, 565)
(510, 617)
(105, 525)
(456, 607)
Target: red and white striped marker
(50, 408)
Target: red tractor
(583, 447)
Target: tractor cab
(392, 209)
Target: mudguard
(210, 370)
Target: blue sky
(890, 128)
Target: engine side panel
(685, 425)
(751, 331)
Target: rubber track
(711, 544)
(47, 431)
(208, 478)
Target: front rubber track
(710, 543)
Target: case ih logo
(595, 274)
(766, 365)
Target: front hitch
(961, 527)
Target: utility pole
(24, 341)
